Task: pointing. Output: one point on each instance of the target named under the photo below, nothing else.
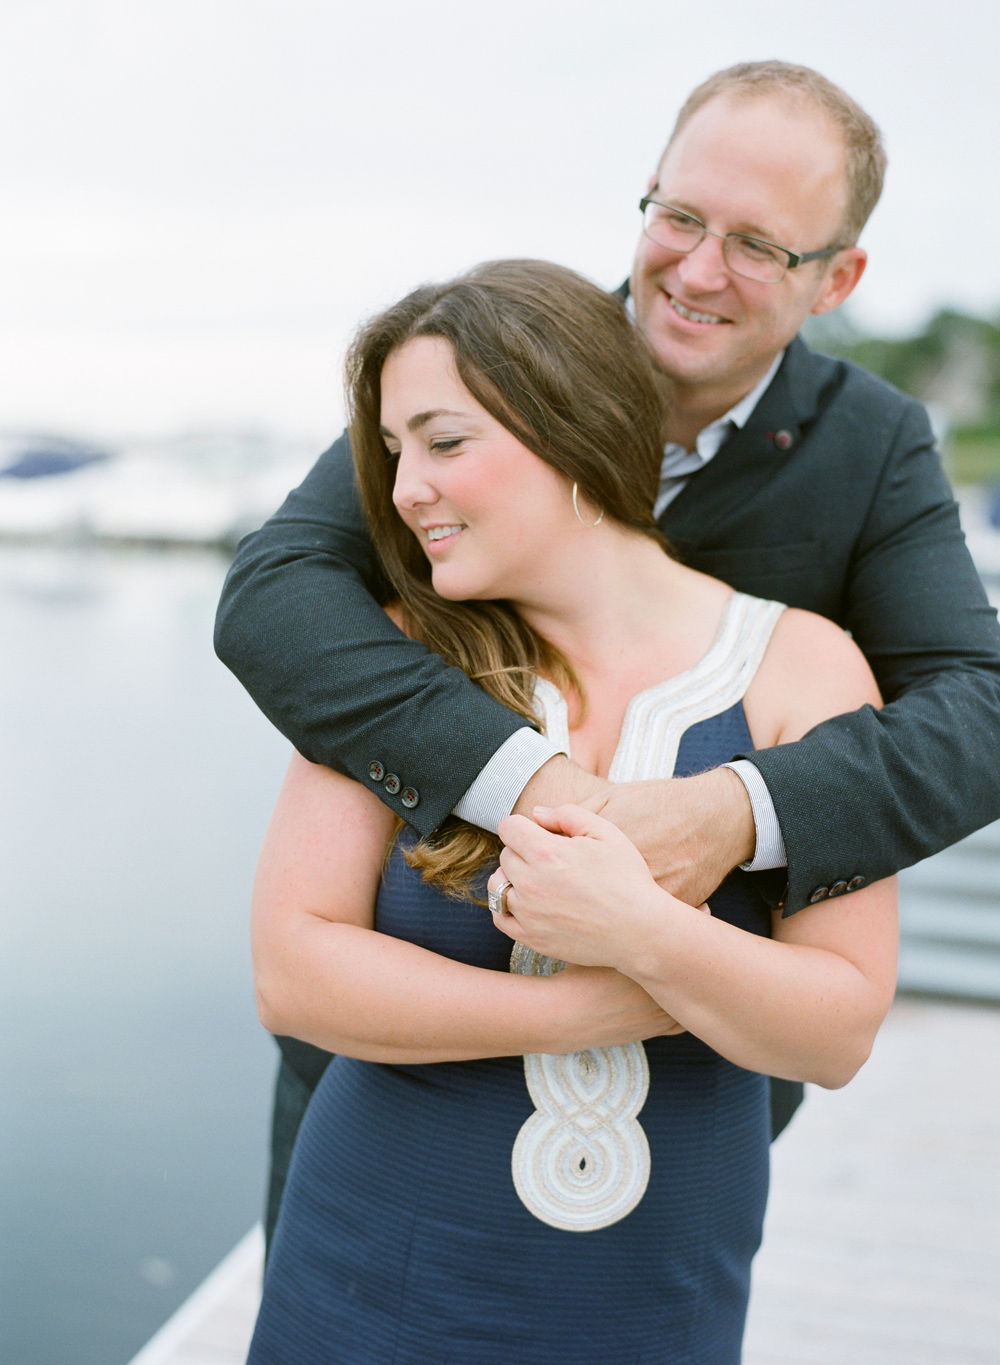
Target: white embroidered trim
(581, 1161)
(656, 719)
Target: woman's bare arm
(805, 1004)
(323, 974)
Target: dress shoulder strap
(656, 719)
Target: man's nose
(411, 488)
(703, 270)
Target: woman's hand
(608, 1010)
(580, 890)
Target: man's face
(770, 168)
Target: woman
(507, 1161)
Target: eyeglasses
(750, 257)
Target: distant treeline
(953, 363)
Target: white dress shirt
(494, 793)
(679, 464)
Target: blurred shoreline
(205, 489)
(209, 489)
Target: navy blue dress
(402, 1240)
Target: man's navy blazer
(831, 498)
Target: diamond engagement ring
(498, 899)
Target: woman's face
(489, 514)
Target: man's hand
(692, 831)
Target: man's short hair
(866, 159)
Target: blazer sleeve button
(410, 797)
(855, 883)
(838, 888)
(392, 783)
(820, 894)
(376, 771)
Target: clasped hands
(581, 892)
(578, 886)
(584, 891)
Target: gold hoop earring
(589, 524)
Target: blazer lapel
(751, 455)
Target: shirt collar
(739, 413)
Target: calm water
(137, 779)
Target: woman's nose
(412, 488)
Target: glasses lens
(670, 228)
(755, 260)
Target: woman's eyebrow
(421, 419)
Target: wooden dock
(215, 1325)
(882, 1244)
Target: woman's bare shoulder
(812, 670)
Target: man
(789, 475)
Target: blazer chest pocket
(790, 573)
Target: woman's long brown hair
(555, 360)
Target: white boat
(198, 489)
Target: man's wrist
(769, 847)
(493, 794)
(556, 783)
(735, 816)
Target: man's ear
(842, 275)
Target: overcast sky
(201, 197)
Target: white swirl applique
(581, 1161)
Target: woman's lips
(441, 542)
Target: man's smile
(690, 314)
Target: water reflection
(137, 779)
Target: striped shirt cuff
(770, 849)
(493, 795)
